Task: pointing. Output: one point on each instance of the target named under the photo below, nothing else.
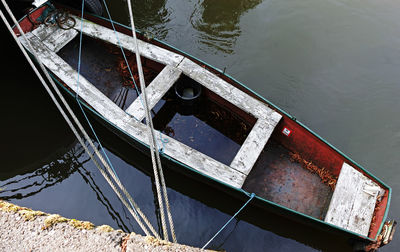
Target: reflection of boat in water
(30, 183)
(214, 129)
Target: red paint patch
(27, 24)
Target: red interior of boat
(26, 23)
(312, 148)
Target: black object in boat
(188, 94)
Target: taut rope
(131, 209)
(155, 155)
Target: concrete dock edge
(23, 229)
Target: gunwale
(287, 116)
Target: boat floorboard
(276, 178)
(155, 91)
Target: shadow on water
(24, 104)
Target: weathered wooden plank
(253, 146)
(227, 91)
(59, 38)
(343, 197)
(353, 201)
(43, 31)
(54, 37)
(147, 50)
(182, 153)
(155, 91)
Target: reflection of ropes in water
(55, 175)
(103, 199)
(86, 175)
(40, 172)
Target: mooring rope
(226, 224)
(155, 155)
(109, 167)
(70, 124)
(156, 163)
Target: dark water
(333, 64)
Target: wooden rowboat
(212, 127)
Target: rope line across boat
(121, 48)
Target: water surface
(332, 64)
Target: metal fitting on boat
(388, 231)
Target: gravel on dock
(23, 229)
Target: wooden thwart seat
(155, 91)
(53, 37)
(147, 50)
(353, 202)
(253, 146)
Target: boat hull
(259, 212)
(309, 143)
